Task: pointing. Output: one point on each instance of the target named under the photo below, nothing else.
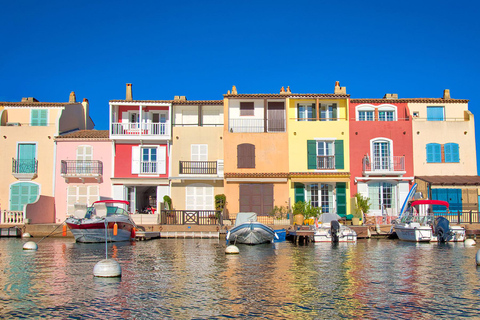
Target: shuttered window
(21, 194)
(435, 113)
(451, 152)
(199, 196)
(318, 159)
(81, 194)
(434, 153)
(39, 117)
(247, 109)
(245, 155)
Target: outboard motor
(334, 230)
(441, 229)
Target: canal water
(195, 279)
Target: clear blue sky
(201, 48)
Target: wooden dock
(301, 234)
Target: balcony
(148, 167)
(325, 162)
(211, 168)
(393, 165)
(81, 169)
(25, 169)
(256, 125)
(134, 130)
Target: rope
(51, 232)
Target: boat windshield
(116, 211)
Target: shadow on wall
(41, 211)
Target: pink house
(83, 165)
(381, 153)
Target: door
(276, 117)
(452, 196)
(256, 198)
(26, 158)
(381, 155)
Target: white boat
(248, 230)
(89, 224)
(418, 224)
(330, 230)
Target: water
(194, 279)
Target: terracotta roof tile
(257, 175)
(85, 134)
(451, 180)
(287, 95)
(35, 104)
(409, 100)
(174, 102)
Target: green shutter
(334, 112)
(299, 192)
(341, 198)
(312, 154)
(314, 113)
(339, 157)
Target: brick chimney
(180, 98)
(234, 90)
(129, 96)
(29, 99)
(390, 96)
(72, 98)
(338, 89)
(446, 94)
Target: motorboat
(248, 230)
(328, 229)
(419, 224)
(105, 220)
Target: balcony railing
(24, 167)
(198, 167)
(325, 162)
(148, 167)
(84, 168)
(255, 125)
(140, 129)
(383, 164)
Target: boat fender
(133, 233)
(470, 242)
(115, 229)
(477, 258)
(64, 231)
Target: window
(381, 151)
(199, 196)
(324, 154)
(368, 115)
(39, 117)
(247, 109)
(246, 156)
(386, 115)
(149, 160)
(199, 152)
(306, 112)
(382, 195)
(21, 194)
(328, 112)
(26, 158)
(84, 157)
(435, 113)
(434, 153)
(451, 152)
(81, 194)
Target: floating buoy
(26, 235)
(132, 233)
(470, 242)
(477, 258)
(115, 229)
(30, 245)
(232, 249)
(64, 231)
(107, 268)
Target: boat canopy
(113, 201)
(328, 217)
(243, 217)
(433, 202)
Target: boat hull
(325, 235)
(424, 233)
(251, 233)
(93, 230)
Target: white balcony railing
(255, 125)
(149, 167)
(392, 164)
(141, 129)
(12, 217)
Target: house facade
(255, 152)
(28, 129)
(318, 145)
(444, 151)
(196, 160)
(381, 153)
(141, 133)
(83, 165)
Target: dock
(301, 234)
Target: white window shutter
(136, 160)
(194, 152)
(203, 152)
(124, 117)
(162, 159)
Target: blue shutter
(434, 153)
(435, 113)
(451, 152)
(312, 154)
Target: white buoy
(231, 249)
(470, 242)
(107, 268)
(30, 245)
(477, 258)
(26, 235)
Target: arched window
(365, 113)
(387, 113)
(246, 155)
(22, 193)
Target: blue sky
(201, 48)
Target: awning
(451, 180)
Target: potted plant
(362, 208)
(167, 201)
(298, 211)
(220, 201)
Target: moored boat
(89, 224)
(330, 230)
(248, 230)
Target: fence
(12, 217)
(198, 217)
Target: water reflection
(193, 278)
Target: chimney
(72, 98)
(29, 99)
(282, 90)
(86, 112)
(129, 96)
(338, 89)
(288, 89)
(390, 96)
(234, 90)
(446, 94)
(180, 98)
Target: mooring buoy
(470, 242)
(232, 249)
(26, 235)
(30, 245)
(107, 268)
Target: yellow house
(27, 131)
(318, 150)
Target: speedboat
(330, 230)
(105, 220)
(248, 230)
(418, 224)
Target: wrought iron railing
(198, 167)
(383, 164)
(325, 162)
(24, 166)
(81, 167)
